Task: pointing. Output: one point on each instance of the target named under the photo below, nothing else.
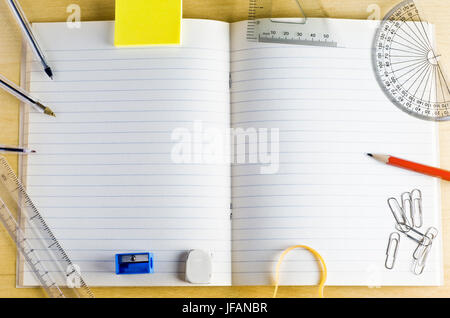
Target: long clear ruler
(262, 27)
(43, 255)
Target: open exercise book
(112, 174)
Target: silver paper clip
(391, 250)
(419, 264)
(432, 232)
(399, 215)
(407, 205)
(416, 208)
(412, 233)
(422, 251)
(427, 241)
(409, 218)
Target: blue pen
(28, 34)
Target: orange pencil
(409, 165)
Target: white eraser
(198, 267)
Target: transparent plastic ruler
(262, 27)
(43, 255)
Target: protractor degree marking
(400, 69)
(426, 34)
(442, 87)
(420, 43)
(416, 54)
(401, 62)
(402, 87)
(424, 38)
(443, 77)
(417, 78)
(422, 70)
(409, 47)
(409, 56)
(420, 48)
(412, 70)
(430, 70)
(431, 85)
(421, 81)
(403, 84)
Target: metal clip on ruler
(262, 27)
(41, 251)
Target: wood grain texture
(437, 11)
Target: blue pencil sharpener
(138, 263)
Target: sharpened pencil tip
(33, 151)
(369, 154)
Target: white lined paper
(327, 193)
(103, 177)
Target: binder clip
(138, 263)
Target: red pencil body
(417, 167)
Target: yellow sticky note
(148, 22)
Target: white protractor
(407, 65)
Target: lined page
(327, 193)
(103, 176)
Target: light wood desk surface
(438, 12)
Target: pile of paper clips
(409, 219)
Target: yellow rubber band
(316, 255)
